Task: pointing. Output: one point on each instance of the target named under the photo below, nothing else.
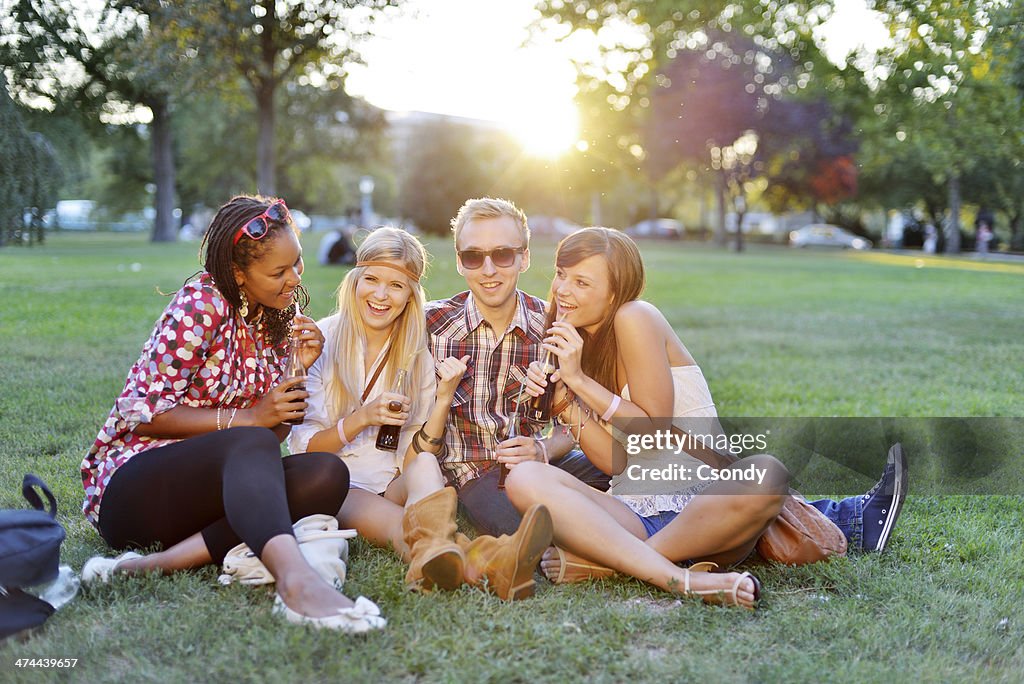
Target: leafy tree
(942, 94)
(324, 135)
(446, 163)
(29, 175)
(125, 53)
(745, 56)
(272, 44)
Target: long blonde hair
(408, 337)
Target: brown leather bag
(801, 535)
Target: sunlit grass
(778, 333)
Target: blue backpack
(29, 555)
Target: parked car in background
(552, 226)
(71, 215)
(656, 228)
(826, 235)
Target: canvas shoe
(883, 502)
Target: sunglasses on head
(258, 227)
(502, 257)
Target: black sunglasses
(258, 227)
(503, 257)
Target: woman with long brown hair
(618, 358)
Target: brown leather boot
(505, 565)
(428, 528)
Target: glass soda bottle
(539, 410)
(513, 431)
(387, 435)
(294, 368)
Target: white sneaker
(100, 569)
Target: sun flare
(546, 131)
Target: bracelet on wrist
(434, 441)
(612, 408)
(543, 448)
(341, 433)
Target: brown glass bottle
(539, 410)
(513, 431)
(387, 435)
(294, 368)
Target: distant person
(189, 458)
(931, 238)
(335, 249)
(983, 237)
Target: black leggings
(231, 485)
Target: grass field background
(777, 332)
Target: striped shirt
(485, 398)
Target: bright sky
(467, 58)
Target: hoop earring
(244, 309)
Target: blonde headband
(387, 264)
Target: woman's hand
(537, 380)
(566, 344)
(449, 373)
(387, 408)
(312, 340)
(517, 450)
(285, 402)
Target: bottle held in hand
(513, 431)
(387, 435)
(294, 368)
(539, 410)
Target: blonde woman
(399, 498)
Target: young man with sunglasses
(500, 328)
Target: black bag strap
(28, 491)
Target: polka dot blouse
(200, 354)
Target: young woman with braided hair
(189, 458)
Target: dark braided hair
(219, 255)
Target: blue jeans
(848, 515)
(490, 512)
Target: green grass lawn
(777, 332)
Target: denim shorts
(654, 523)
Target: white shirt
(369, 467)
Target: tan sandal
(570, 571)
(732, 594)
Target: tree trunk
(266, 181)
(1016, 238)
(720, 225)
(164, 228)
(739, 230)
(953, 225)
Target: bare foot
(563, 567)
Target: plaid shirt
(485, 398)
